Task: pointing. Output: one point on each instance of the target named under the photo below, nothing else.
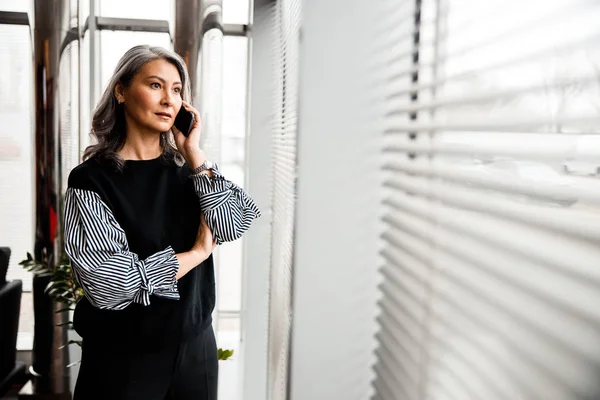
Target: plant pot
(49, 362)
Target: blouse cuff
(158, 274)
(213, 191)
(228, 209)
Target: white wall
(337, 228)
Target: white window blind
(491, 114)
(285, 102)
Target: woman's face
(153, 98)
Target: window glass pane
(11, 5)
(211, 93)
(68, 88)
(84, 10)
(16, 147)
(138, 9)
(114, 44)
(235, 72)
(229, 262)
(233, 128)
(236, 11)
(84, 97)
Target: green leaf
(224, 354)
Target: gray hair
(108, 121)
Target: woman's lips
(166, 116)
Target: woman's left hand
(189, 146)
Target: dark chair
(11, 371)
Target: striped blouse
(111, 276)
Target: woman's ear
(118, 92)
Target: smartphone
(184, 121)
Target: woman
(142, 217)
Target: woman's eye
(177, 90)
(155, 85)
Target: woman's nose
(168, 98)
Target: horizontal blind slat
(517, 123)
(567, 189)
(571, 222)
(525, 240)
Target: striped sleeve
(228, 209)
(110, 275)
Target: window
(114, 44)
(138, 9)
(236, 11)
(16, 148)
(235, 62)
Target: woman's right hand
(189, 146)
(205, 243)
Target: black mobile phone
(184, 121)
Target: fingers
(191, 109)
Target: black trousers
(186, 371)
